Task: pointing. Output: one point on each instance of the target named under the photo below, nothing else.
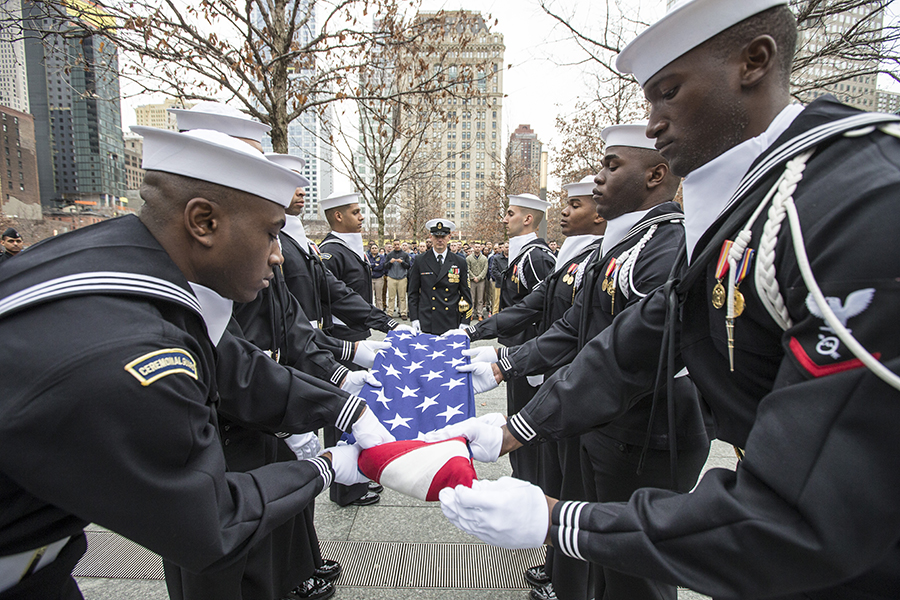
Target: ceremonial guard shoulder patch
(325, 255)
(159, 363)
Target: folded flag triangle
(419, 469)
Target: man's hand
(366, 351)
(304, 445)
(486, 354)
(355, 380)
(345, 462)
(483, 376)
(485, 435)
(509, 513)
(402, 327)
(417, 327)
(369, 431)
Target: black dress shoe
(376, 487)
(314, 588)
(369, 498)
(544, 592)
(329, 570)
(536, 576)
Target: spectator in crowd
(478, 272)
(488, 287)
(397, 267)
(498, 267)
(376, 261)
(554, 247)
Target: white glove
(457, 331)
(366, 352)
(484, 434)
(355, 380)
(483, 378)
(417, 327)
(304, 445)
(369, 431)
(487, 354)
(509, 513)
(403, 327)
(345, 462)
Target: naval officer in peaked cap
(439, 294)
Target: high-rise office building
(526, 149)
(77, 111)
(13, 78)
(157, 115)
(19, 192)
(468, 147)
(888, 102)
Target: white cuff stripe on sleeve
(568, 530)
(517, 423)
(503, 352)
(343, 420)
(505, 364)
(339, 375)
(392, 323)
(324, 469)
(348, 351)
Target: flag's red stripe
(456, 471)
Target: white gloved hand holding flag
(484, 434)
(483, 379)
(355, 380)
(486, 354)
(509, 513)
(366, 351)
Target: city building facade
(13, 76)
(19, 192)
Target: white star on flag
(420, 390)
(454, 383)
(427, 402)
(399, 421)
(434, 375)
(407, 393)
(451, 412)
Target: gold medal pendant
(738, 303)
(604, 285)
(718, 296)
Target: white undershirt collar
(216, 311)
(708, 189)
(572, 247)
(293, 227)
(353, 241)
(517, 243)
(618, 228)
(443, 254)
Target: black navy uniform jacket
(811, 511)
(656, 238)
(322, 295)
(547, 302)
(111, 414)
(348, 266)
(522, 275)
(434, 292)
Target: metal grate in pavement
(366, 564)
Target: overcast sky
(543, 77)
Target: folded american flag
(421, 389)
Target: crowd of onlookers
(391, 264)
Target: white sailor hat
(687, 25)
(217, 158)
(529, 201)
(289, 161)
(220, 117)
(440, 226)
(632, 134)
(585, 187)
(339, 199)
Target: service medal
(718, 296)
(738, 303)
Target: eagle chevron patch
(159, 363)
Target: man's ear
(757, 59)
(528, 219)
(339, 216)
(656, 175)
(201, 219)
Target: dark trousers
(610, 474)
(54, 581)
(561, 477)
(340, 494)
(526, 460)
